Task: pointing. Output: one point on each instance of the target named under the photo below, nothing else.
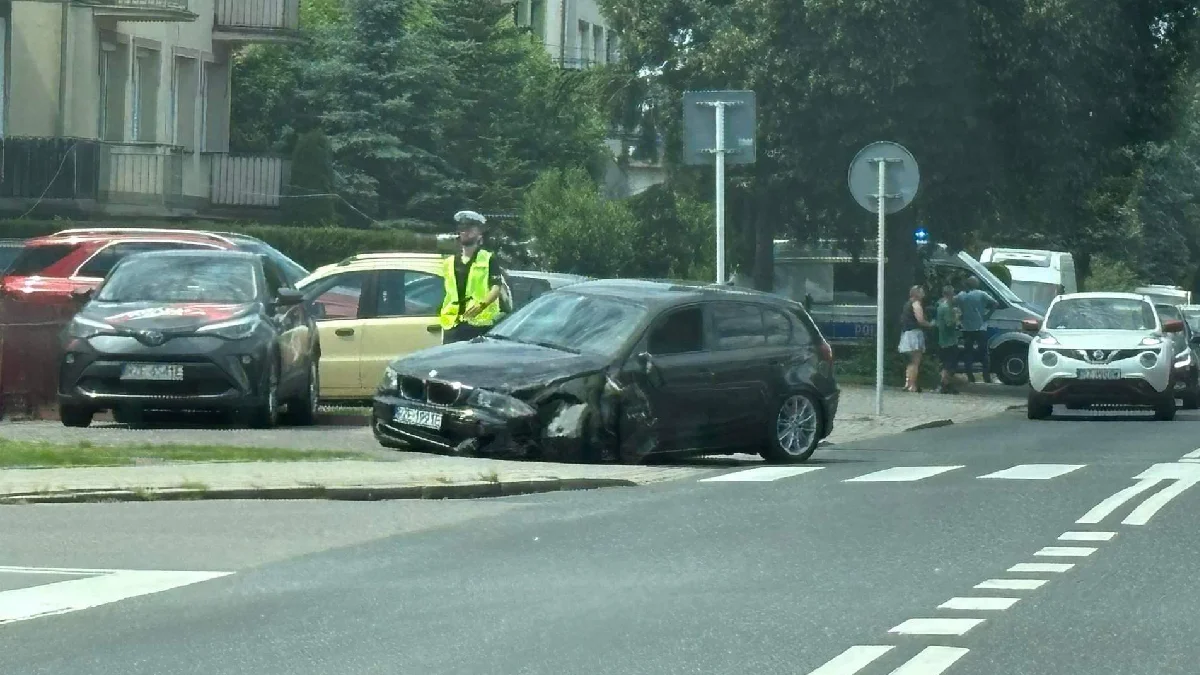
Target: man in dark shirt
(473, 283)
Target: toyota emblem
(1097, 355)
(433, 373)
(152, 337)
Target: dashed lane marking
(979, 604)
(936, 626)
(763, 474)
(1086, 536)
(1011, 584)
(852, 660)
(1035, 471)
(1041, 567)
(1066, 551)
(931, 661)
(902, 474)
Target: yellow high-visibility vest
(477, 289)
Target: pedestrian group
(959, 317)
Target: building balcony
(257, 21)
(243, 181)
(142, 10)
(141, 174)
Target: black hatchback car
(621, 370)
(191, 330)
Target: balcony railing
(143, 10)
(248, 181)
(141, 173)
(49, 168)
(256, 20)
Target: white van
(1037, 276)
(1167, 295)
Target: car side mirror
(288, 297)
(1172, 326)
(1031, 325)
(82, 295)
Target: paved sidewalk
(409, 474)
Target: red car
(49, 269)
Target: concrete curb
(478, 490)
(931, 425)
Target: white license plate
(1098, 374)
(417, 418)
(160, 372)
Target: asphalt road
(803, 574)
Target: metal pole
(60, 123)
(720, 192)
(879, 331)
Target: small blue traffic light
(921, 236)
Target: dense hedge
(309, 246)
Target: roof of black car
(673, 292)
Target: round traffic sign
(901, 179)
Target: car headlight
(1151, 341)
(390, 381)
(1046, 340)
(84, 328)
(237, 329)
(506, 406)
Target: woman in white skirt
(912, 338)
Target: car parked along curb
(474, 490)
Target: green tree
(311, 183)
(574, 229)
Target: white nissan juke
(1101, 348)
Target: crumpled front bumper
(463, 430)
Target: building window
(583, 42)
(610, 49)
(114, 73)
(537, 19)
(183, 101)
(146, 76)
(597, 44)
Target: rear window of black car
(740, 326)
(34, 260)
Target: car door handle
(434, 328)
(344, 332)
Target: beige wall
(33, 69)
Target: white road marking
(1105, 508)
(902, 474)
(1066, 551)
(1191, 461)
(1195, 454)
(936, 626)
(852, 660)
(1011, 584)
(931, 661)
(1170, 471)
(974, 604)
(57, 570)
(1086, 536)
(1143, 513)
(1035, 471)
(76, 594)
(1041, 567)
(763, 474)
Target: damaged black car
(621, 371)
(191, 331)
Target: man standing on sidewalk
(977, 307)
(473, 283)
(946, 321)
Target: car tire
(302, 410)
(794, 430)
(1012, 365)
(1164, 411)
(75, 416)
(266, 414)
(1037, 407)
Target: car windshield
(573, 322)
(1101, 314)
(1036, 293)
(180, 279)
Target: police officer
(473, 283)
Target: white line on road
(1035, 471)
(973, 604)
(1191, 461)
(1066, 551)
(57, 570)
(1086, 536)
(936, 626)
(1143, 513)
(1011, 584)
(763, 474)
(1195, 454)
(852, 660)
(931, 661)
(1102, 510)
(1041, 567)
(77, 594)
(902, 474)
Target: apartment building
(122, 107)
(575, 32)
